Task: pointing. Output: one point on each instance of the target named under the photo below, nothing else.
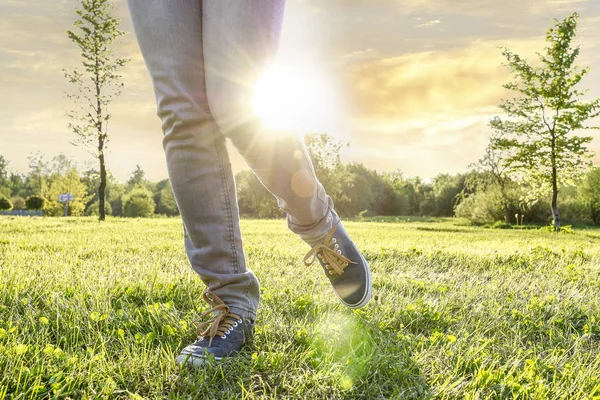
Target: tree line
(47, 179)
(356, 190)
(477, 195)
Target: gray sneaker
(222, 336)
(345, 267)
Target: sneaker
(222, 336)
(345, 267)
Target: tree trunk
(102, 188)
(505, 202)
(555, 214)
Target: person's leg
(238, 47)
(240, 38)
(170, 38)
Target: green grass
(90, 310)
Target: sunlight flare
(293, 98)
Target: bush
(18, 203)
(540, 212)
(35, 203)
(94, 209)
(254, 199)
(166, 202)
(501, 225)
(572, 210)
(568, 229)
(481, 208)
(5, 204)
(138, 203)
(117, 207)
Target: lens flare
(343, 347)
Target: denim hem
(314, 233)
(244, 313)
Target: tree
(137, 178)
(539, 131)
(94, 209)
(590, 194)
(447, 191)
(67, 183)
(254, 199)
(493, 165)
(98, 84)
(165, 200)
(392, 200)
(138, 203)
(114, 191)
(18, 203)
(35, 203)
(37, 180)
(5, 204)
(18, 184)
(5, 187)
(61, 164)
(360, 190)
(324, 152)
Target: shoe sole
(367, 297)
(195, 361)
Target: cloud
(490, 7)
(430, 106)
(429, 23)
(462, 7)
(431, 83)
(360, 55)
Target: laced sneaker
(345, 267)
(221, 336)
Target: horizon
(410, 85)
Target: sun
(295, 98)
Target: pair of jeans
(204, 57)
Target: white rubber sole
(196, 361)
(367, 297)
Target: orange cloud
(428, 112)
(455, 83)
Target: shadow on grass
(404, 219)
(452, 230)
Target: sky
(410, 84)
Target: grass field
(90, 310)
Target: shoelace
(222, 323)
(329, 253)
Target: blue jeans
(204, 57)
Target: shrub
(568, 229)
(166, 202)
(481, 208)
(138, 203)
(117, 207)
(18, 203)
(501, 225)
(5, 204)
(35, 203)
(94, 209)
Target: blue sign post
(66, 198)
